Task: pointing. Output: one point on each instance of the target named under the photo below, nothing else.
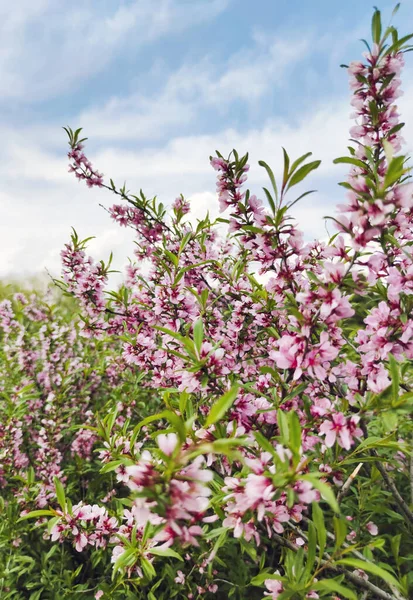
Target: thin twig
(407, 513)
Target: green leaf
(340, 531)
(369, 568)
(114, 464)
(264, 442)
(35, 514)
(60, 493)
(227, 445)
(298, 162)
(303, 172)
(198, 334)
(172, 417)
(311, 550)
(332, 585)
(295, 432)
(282, 421)
(270, 200)
(318, 520)
(271, 176)
(261, 577)
(351, 161)
(220, 407)
(376, 27)
(218, 544)
(394, 172)
(286, 167)
(183, 401)
(395, 546)
(395, 377)
(172, 257)
(165, 552)
(126, 559)
(397, 44)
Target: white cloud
(49, 46)
(245, 76)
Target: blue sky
(158, 85)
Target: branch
(404, 508)
(407, 513)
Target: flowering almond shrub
(246, 401)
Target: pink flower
(258, 489)
(372, 528)
(80, 542)
(305, 492)
(275, 588)
(289, 354)
(167, 442)
(336, 428)
(180, 578)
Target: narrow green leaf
(295, 432)
(270, 200)
(303, 172)
(332, 585)
(369, 568)
(282, 421)
(351, 161)
(35, 514)
(198, 334)
(298, 162)
(165, 552)
(126, 559)
(395, 378)
(60, 493)
(220, 407)
(148, 569)
(259, 579)
(311, 551)
(264, 442)
(340, 531)
(376, 27)
(271, 176)
(286, 167)
(394, 171)
(318, 519)
(398, 43)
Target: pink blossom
(336, 428)
(167, 442)
(372, 528)
(274, 588)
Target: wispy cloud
(244, 76)
(49, 46)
